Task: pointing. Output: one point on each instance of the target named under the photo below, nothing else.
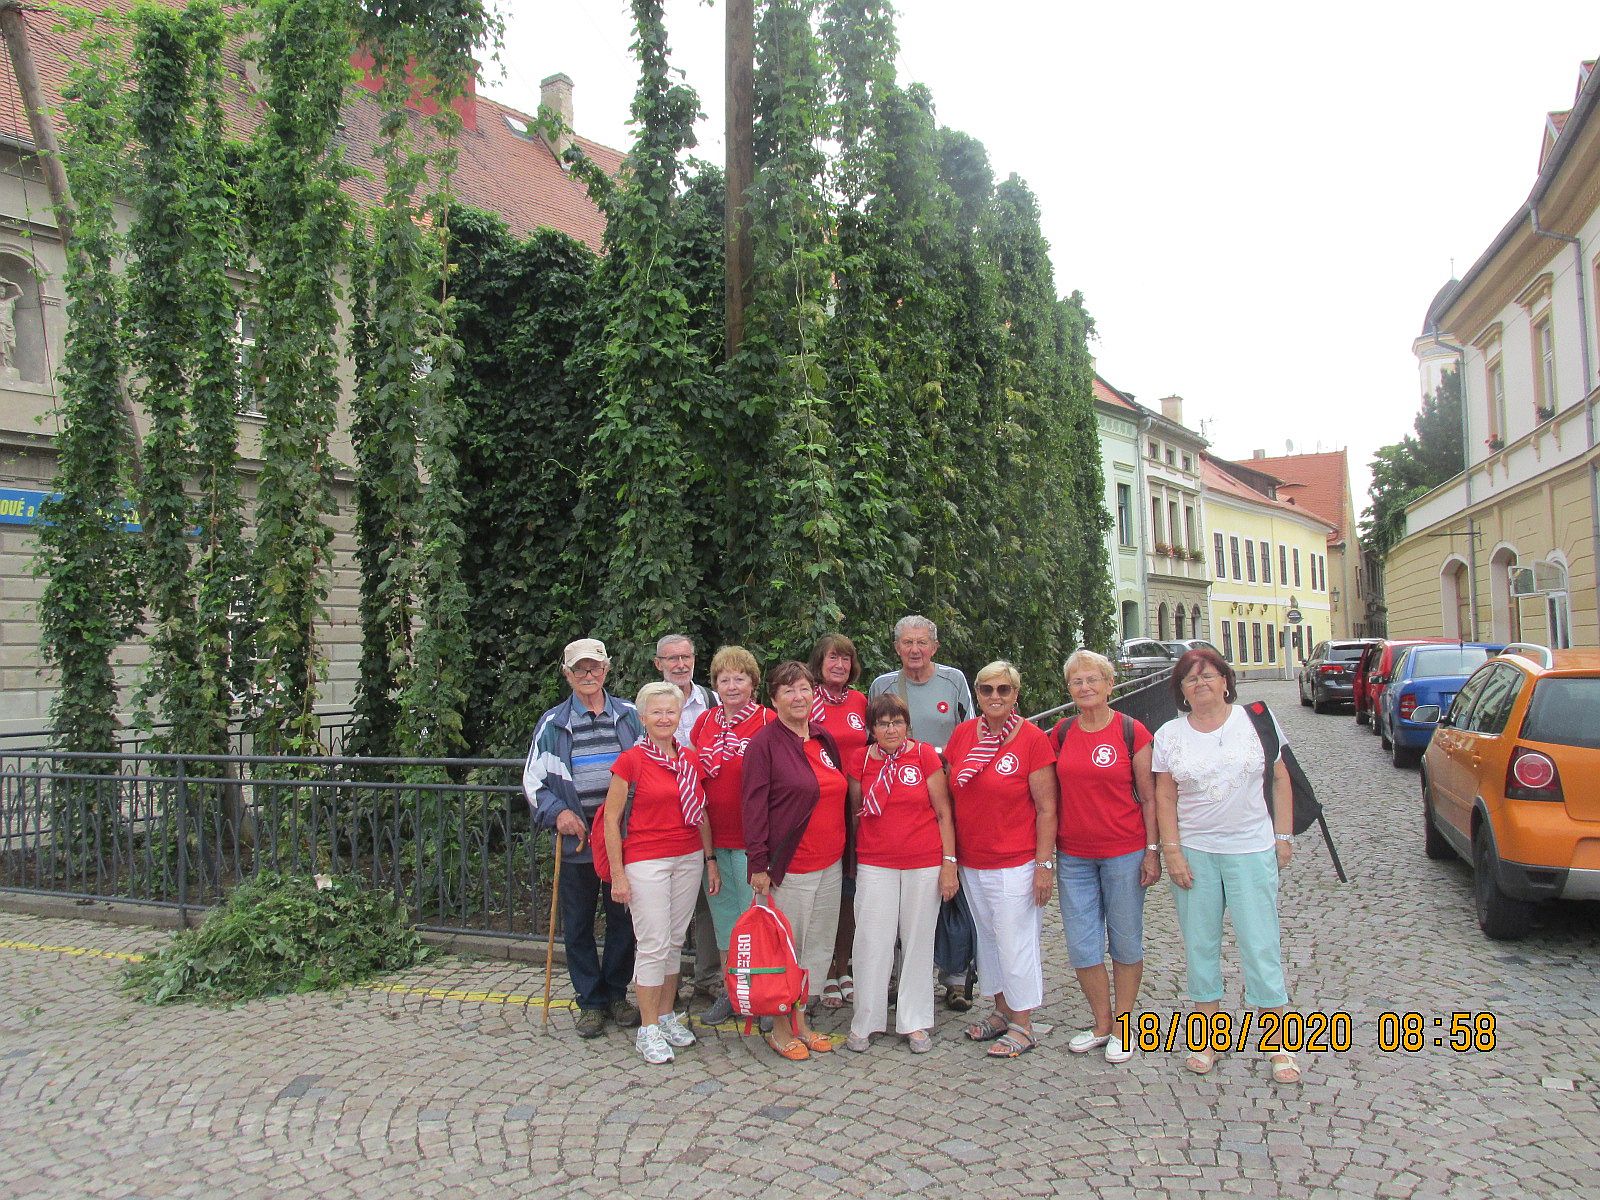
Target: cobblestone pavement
(414, 1092)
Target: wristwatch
(1045, 866)
(950, 858)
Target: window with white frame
(1495, 386)
(1266, 563)
(1297, 566)
(1250, 559)
(1544, 367)
(1222, 562)
(1124, 515)
(1233, 553)
(244, 341)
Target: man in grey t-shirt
(938, 696)
(939, 700)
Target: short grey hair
(1081, 658)
(915, 622)
(671, 639)
(660, 689)
(999, 669)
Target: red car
(1372, 675)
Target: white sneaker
(652, 1045)
(674, 1030)
(1116, 1052)
(1086, 1041)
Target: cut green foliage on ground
(278, 934)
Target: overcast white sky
(1257, 200)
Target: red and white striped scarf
(988, 745)
(721, 751)
(691, 795)
(825, 698)
(872, 802)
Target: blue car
(1425, 674)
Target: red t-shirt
(847, 722)
(723, 802)
(822, 844)
(995, 817)
(1098, 816)
(655, 825)
(905, 835)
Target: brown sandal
(1014, 1043)
(986, 1030)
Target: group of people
(906, 806)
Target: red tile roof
(1214, 479)
(1107, 394)
(1319, 482)
(500, 170)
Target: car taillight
(1531, 775)
(1329, 669)
(1408, 705)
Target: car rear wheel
(1304, 703)
(1383, 739)
(1433, 842)
(1502, 917)
(1361, 716)
(1404, 756)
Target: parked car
(1361, 678)
(1379, 672)
(1143, 656)
(1328, 676)
(1182, 646)
(1511, 783)
(1431, 676)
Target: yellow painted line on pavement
(74, 951)
(398, 989)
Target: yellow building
(1506, 550)
(1269, 564)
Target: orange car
(1511, 782)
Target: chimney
(1258, 454)
(1172, 409)
(555, 100)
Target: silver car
(1143, 656)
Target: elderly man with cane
(565, 781)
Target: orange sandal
(819, 1043)
(794, 1049)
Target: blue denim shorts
(1101, 902)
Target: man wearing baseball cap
(565, 781)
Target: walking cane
(550, 935)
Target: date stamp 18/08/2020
(1328, 1032)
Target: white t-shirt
(1221, 809)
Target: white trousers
(1009, 925)
(662, 905)
(890, 904)
(811, 902)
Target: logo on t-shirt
(855, 721)
(1104, 755)
(1008, 764)
(827, 759)
(911, 776)
(943, 706)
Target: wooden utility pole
(14, 29)
(738, 136)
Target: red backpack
(764, 977)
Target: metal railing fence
(453, 838)
(1146, 698)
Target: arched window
(1557, 616)
(1130, 620)
(1161, 620)
(1505, 624)
(1195, 629)
(1178, 616)
(1453, 614)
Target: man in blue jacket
(565, 780)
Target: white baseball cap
(584, 648)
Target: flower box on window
(1164, 550)
(1544, 411)
(1495, 442)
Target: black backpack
(1058, 735)
(1307, 808)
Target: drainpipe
(1466, 474)
(1141, 428)
(1588, 386)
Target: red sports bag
(764, 976)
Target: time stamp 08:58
(1329, 1032)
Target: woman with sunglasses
(1003, 778)
(1223, 849)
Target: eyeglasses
(589, 672)
(890, 723)
(1206, 677)
(1081, 681)
(996, 689)
(676, 657)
